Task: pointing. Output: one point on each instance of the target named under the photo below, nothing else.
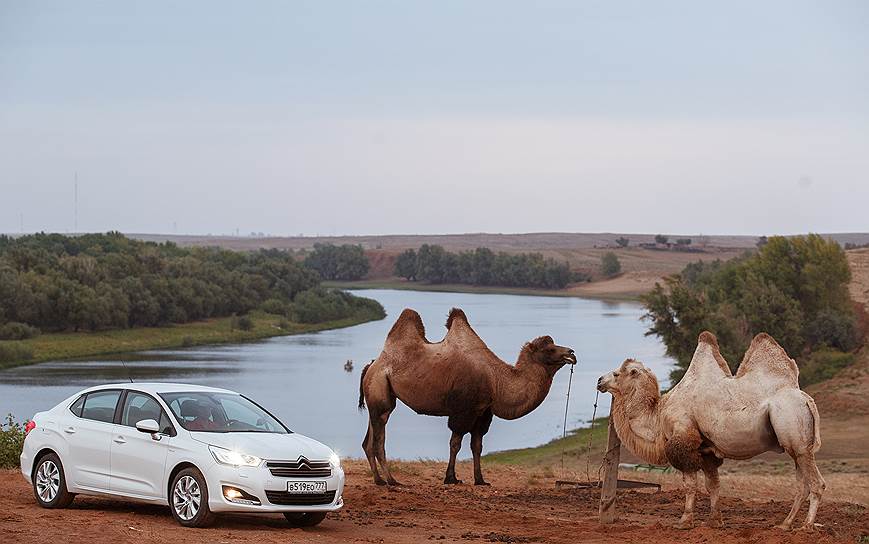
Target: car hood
(284, 447)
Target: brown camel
(711, 415)
(458, 377)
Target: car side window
(100, 405)
(76, 406)
(139, 406)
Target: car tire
(49, 483)
(188, 499)
(305, 519)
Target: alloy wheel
(47, 481)
(186, 498)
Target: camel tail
(813, 408)
(361, 389)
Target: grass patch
(69, 345)
(575, 446)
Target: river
(302, 379)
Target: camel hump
(707, 357)
(456, 313)
(407, 326)
(766, 356)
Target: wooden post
(610, 475)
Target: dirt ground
(516, 508)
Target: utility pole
(75, 205)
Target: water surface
(302, 380)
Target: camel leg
(455, 446)
(710, 465)
(816, 485)
(368, 448)
(481, 427)
(802, 493)
(379, 438)
(689, 484)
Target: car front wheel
(304, 519)
(49, 483)
(189, 499)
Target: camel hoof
(807, 528)
(452, 481)
(393, 483)
(685, 523)
(379, 481)
(783, 526)
(481, 482)
(714, 523)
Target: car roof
(157, 387)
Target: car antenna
(129, 374)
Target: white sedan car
(198, 449)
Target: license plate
(306, 487)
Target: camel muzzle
(570, 358)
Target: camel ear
(541, 342)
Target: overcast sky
(435, 117)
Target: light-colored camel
(711, 415)
(458, 377)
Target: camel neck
(520, 389)
(637, 421)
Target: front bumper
(257, 481)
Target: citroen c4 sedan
(200, 450)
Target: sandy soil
(516, 508)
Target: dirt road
(513, 509)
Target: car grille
(300, 499)
(301, 468)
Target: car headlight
(334, 460)
(233, 458)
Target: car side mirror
(149, 426)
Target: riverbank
(617, 289)
(71, 345)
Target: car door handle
(120, 440)
(69, 430)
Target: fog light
(238, 496)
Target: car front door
(139, 459)
(89, 436)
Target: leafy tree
(345, 262)
(795, 289)
(105, 281)
(683, 241)
(621, 241)
(609, 264)
(406, 265)
(661, 239)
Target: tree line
(52, 282)
(795, 289)
(482, 266)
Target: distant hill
(537, 241)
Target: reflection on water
(302, 380)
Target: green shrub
(245, 323)
(609, 264)
(274, 306)
(316, 305)
(822, 365)
(11, 442)
(13, 352)
(17, 331)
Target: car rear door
(138, 459)
(89, 436)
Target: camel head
(544, 351)
(631, 377)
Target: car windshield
(221, 413)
